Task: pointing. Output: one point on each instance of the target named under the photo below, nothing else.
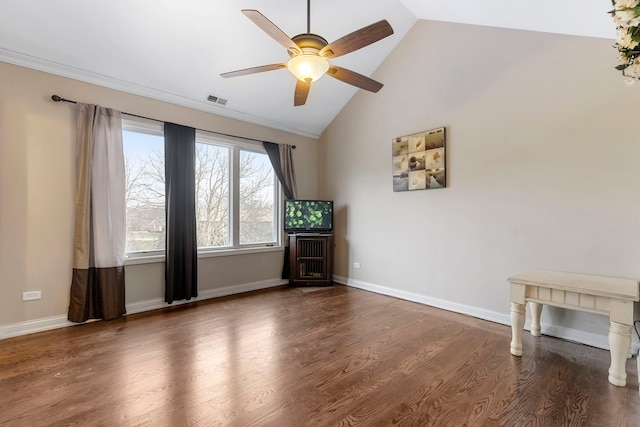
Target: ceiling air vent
(217, 100)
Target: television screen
(308, 216)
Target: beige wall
(543, 160)
(36, 193)
(543, 171)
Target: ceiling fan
(310, 53)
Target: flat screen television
(308, 216)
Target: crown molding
(51, 67)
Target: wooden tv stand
(311, 259)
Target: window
(144, 176)
(237, 194)
(212, 195)
(257, 199)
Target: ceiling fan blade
(302, 91)
(357, 40)
(355, 79)
(253, 70)
(270, 28)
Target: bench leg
(536, 311)
(619, 343)
(517, 324)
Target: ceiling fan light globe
(306, 67)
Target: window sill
(152, 259)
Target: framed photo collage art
(419, 161)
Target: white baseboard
(588, 338)
(577, 335)
(156, 303)
(55, 322)
(33, 326)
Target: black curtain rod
(57, 98)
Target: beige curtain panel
(286, 161)
(97, 287)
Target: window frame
(152, 127)
(236, 147)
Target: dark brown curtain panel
(97, 284)
(281, 160)
(181, 267)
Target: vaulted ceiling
(175, 51)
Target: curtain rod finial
(57, 98)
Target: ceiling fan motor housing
(308, 41)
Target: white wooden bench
(603, 295)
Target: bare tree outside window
(212, 195)
(144, 173)
(257, 191)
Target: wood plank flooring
(285, 357)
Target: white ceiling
(174, 51)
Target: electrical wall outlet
(356, 265)
(31, 295)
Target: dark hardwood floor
(336, 356)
